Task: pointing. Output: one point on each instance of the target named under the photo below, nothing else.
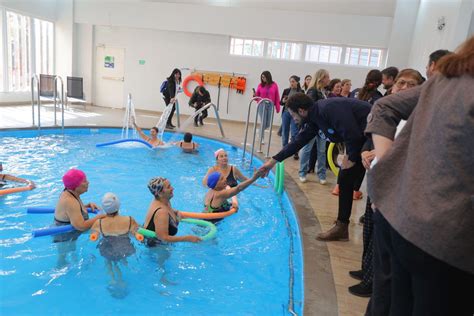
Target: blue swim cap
(212, 179)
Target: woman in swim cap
(230, 172)
(215, 200)
(70, 210)
(161, 217)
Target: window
(43, 46)
(311, 52)
(284, 50)
(246, 47)
(18, 51)
(323, 53)
(370, 57)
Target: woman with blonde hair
(316, 148)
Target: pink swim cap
(73, 178)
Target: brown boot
(340, 232)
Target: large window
(28, 48)
(284, 50)
(246, 47)
(323, 53)
(363, 57)
(18, 51)
(44, 46)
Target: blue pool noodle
(124, 141)
(48, 210)
(52, 231)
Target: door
(109, 77)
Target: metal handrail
(176, 104)
(259, 101)
(207, 106)
(62, 100)
(33, 79)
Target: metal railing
(207, 106)
(260, 105)
(62, 100)
(34, 79)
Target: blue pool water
(254, 266)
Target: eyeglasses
(410, 84)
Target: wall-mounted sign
(141, 62)
(109, 61)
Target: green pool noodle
(211, 234)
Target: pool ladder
(36, 82)
(216, 111)
(260, 105)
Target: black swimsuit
(75, 233)
(172, 229)
(115, 248)
(231, 181)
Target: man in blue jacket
(340, 120)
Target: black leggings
(202, 116)
(167, 101)
(347, 179)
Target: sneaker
(361, 289)
(339, 232)
(357, 195)
(358, 275)
(335, 191)
(303, 179)
(322, 181)
(296, 157)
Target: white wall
(427, 38)
(164, 50)
(275, 24)
(83, 49)
(401, 36)
(64, 35)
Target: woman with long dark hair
(369, 91)
(170, 93)
(267, 89)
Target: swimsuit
(115, 248)
(172, 229)
(231, 181)
(224, 207)
(75, 233)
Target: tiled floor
(343, 256)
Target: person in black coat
(340, 120)
(200, 98)
(169, 94)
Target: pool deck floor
(326, 263)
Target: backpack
(164, 86)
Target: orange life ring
(207, 215)
(187, 80)
(15, 190)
